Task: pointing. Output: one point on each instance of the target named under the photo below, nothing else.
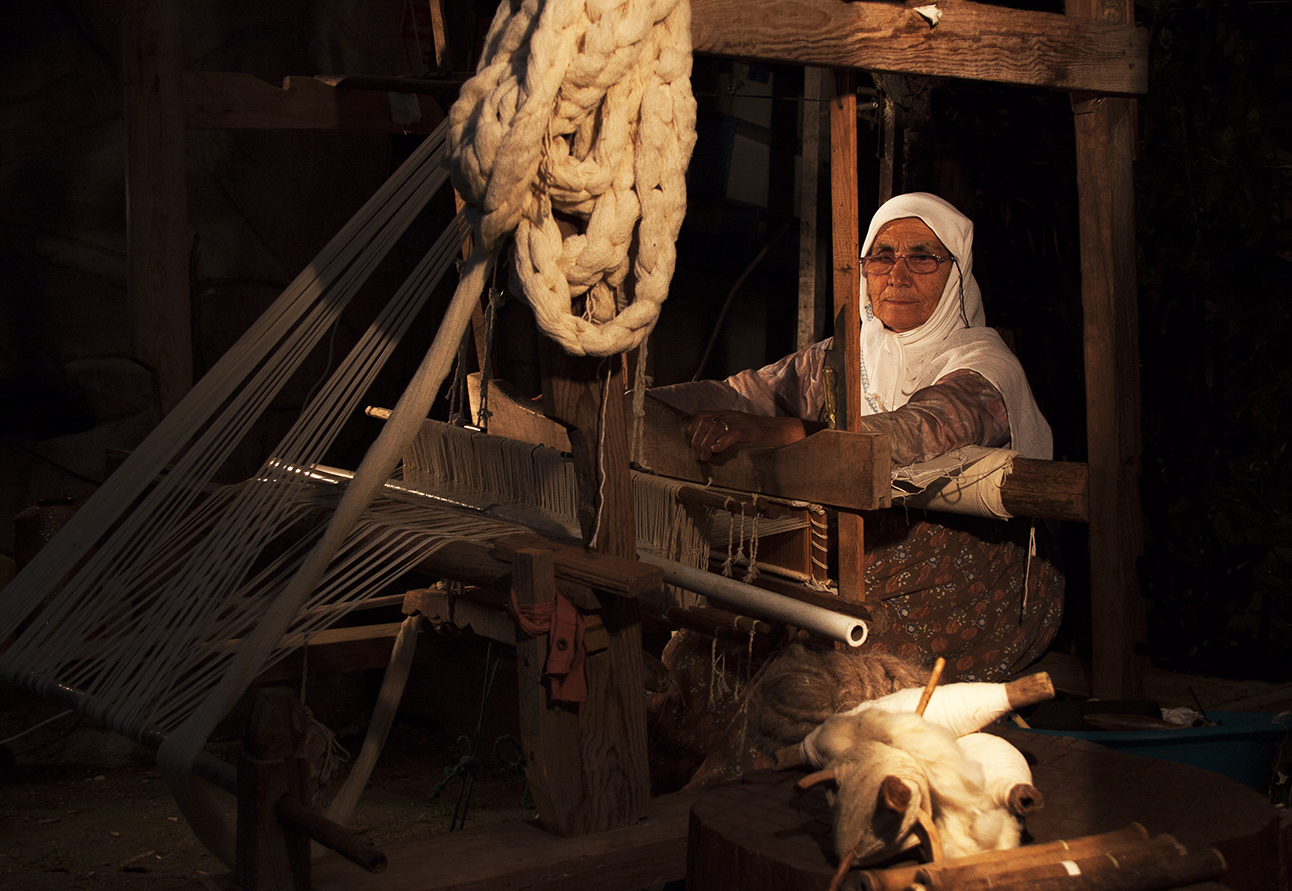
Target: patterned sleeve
(961, 409)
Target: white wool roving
(960, 708)
(1004, 766)
(583, 109)
(864, 748)
(968, 817)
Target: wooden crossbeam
(971, 41)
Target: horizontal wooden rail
(970, 40)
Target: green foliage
(1216, 332)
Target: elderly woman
(934, 378)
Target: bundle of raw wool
(803, 687)
(581, 111)
(890, 768)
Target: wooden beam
(846, 229)
(612, 723)
(971, 41)
(217, 100)
(549, 730)
(1105, 137)
(811, 310)
(157, 245)
(1055, 490)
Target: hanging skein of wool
(582, 109)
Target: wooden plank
(800, 470)
(217, 100)
(845, 227)
(971, 41)
(616, 785)
(811, 308)
(517, 855)
(157, 280)
(513, 416)
(622, 576)
(1105, 137)
(549, 730)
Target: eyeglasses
(919, 264)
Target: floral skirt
(986, 595)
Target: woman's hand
(712, 432)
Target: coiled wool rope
(582, 108)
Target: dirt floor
(83, 809)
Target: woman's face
(899, 298)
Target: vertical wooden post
(1105, 139)
(811, 314)
(847, 304)
(586, 394)
(157, 196)
(549, 731)
(273, 764)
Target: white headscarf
(894, 366)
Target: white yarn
(582, 108)
(1003, 766)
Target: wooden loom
(1094, 53)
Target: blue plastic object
(1242, 747)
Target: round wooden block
(762, 834)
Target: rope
(582, 110)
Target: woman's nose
(901, 272)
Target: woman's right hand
(713, 432)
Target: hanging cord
(458, 389)
(752, 572)
(640, 383)
(601, 454)
(496, 298)
(469, 764)
(718, 686)
(731, 550)
(1027, 570)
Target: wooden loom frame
(1094, 53)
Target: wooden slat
(972, 41)
(157, 197)
(234, 101)
(1105, 134)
